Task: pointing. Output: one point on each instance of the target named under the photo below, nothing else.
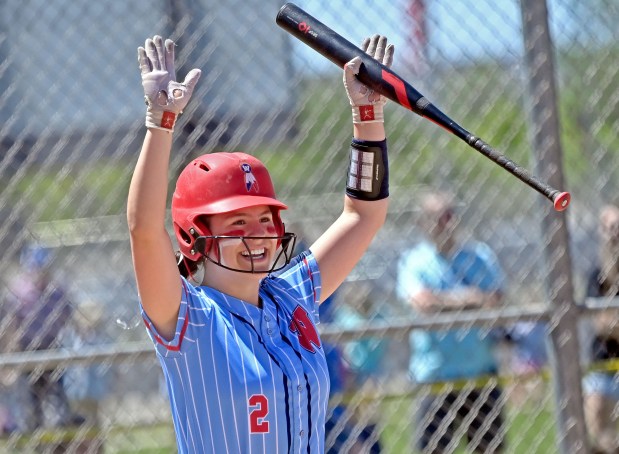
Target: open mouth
(254, 254)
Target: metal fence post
(544, 117)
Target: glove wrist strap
(164, 120)
(368, 171)
(370, 113)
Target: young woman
(242, 359)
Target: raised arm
(427, 301)
(154, 263)
(367, 186)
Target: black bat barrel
(317, 35)
(339, 50)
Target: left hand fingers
(377, 48)
(169, 58)
(365, 44)
(388, 58)
(143, 61)
(192, 79)
(371, 50)
(151, 53)
(158, 40)
(379, 52)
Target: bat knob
(561, 201)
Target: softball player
(243, 362)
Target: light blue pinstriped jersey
(247, 380)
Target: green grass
(153, 439)
(530, 429)
(144, 440)
(98, 190)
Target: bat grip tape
(368, 170)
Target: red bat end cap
(561, 201)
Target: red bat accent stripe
(399, 88)
(439, 124)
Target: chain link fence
(71, 125)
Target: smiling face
(254, 253)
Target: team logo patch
(366, 112)
(305, 329)
(167, 119)
(250, 180)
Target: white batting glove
(165, 98)
(367, 105)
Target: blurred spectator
(442, 274)
(40, 311)
(601, 388)
(343, 432)
(528, 355)
(528, 340)
(9, 405)
(88, 384)
(364, 357)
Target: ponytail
(186, 267)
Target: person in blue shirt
(231, 315)
(443, 274)
(601, 387)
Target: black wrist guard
(368, 171)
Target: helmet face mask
(206, 245)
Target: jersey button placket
(266, 325)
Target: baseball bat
(383, 80)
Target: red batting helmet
(219, 183)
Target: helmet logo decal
(250, 179)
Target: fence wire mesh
(78, 373)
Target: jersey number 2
(260, 405)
